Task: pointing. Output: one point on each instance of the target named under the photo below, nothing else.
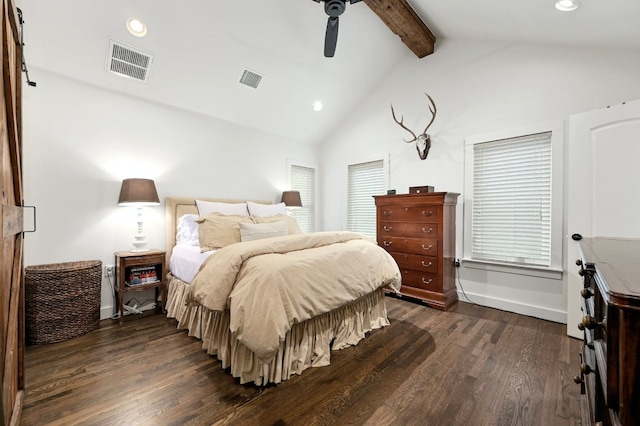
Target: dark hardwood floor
(470, 365)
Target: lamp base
(140, 239)
(140, 243)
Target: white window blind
(511, 208)
(303, 179)
(365, 181)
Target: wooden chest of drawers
(418, 230)
(610, 370)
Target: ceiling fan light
(137, 27)
(567, 5)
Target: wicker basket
(62, 300)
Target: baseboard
(515, 307)
(106, 312)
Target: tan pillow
(258, 231)
(216, 230)
(294, 228)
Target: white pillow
(258, 231)
(187, 230)
(230, 209)
(264, 210)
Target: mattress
(185, 261)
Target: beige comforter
(270, 284)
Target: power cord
(460, 284)
(113, 289)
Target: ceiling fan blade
(331, 37)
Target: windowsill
(532, 271)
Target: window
(365, 181)
(303, 179)
(513, 213)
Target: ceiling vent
(128, 61)
(250, 79)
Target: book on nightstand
(142, 275)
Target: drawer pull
(387, 228)
(586, 293)
(427, 213)
(427, 248)
(588, 322)
(426, 281)
(387, 213)
(585, 369)
(427, 231)
(387, 243)
(426, 265)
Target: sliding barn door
(603, 186)
(11, 275)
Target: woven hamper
(62, 300)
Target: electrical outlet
(456, 263)
(109, 271)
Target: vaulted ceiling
(200, 48)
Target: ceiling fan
(333, 8)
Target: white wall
(479, 88)
(81, 141)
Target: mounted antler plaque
(423, 142)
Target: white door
(603, 186)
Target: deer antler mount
(423, 141)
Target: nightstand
(137, 271)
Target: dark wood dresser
(419, 231)
(610, 370)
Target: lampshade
(138, 192)
(291, 199)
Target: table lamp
(139, 193)
(291, 199)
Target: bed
(266, 324)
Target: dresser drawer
(408, 229)
(416, 262)
(422, 280)
(416, 213)
(410, 245)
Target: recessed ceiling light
(137, 27)
(317, 106)
(567, 5)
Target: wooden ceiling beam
(400, 17)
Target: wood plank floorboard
(471, 365)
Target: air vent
(128, 61)
(250, 79)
